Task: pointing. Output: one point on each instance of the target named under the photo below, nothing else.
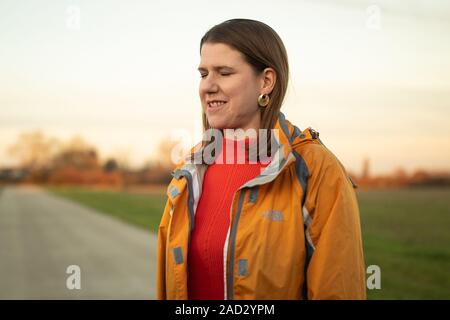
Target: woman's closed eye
(222, 74)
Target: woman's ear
(269, 77)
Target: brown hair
(261, 47)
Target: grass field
(406, 233)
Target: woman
(285, 228)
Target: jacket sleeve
(336, 267)
(161, 255)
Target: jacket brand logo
(274, 215)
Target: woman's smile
(215, 106)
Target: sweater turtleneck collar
(237, 151)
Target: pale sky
(374, 85)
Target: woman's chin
(216, 123)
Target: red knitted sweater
(212, 220)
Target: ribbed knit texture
(212, 219)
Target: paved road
(41, 235)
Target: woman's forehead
(218, 55)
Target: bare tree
(76, 153)
(167, 152)
(34, 150)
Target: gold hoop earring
(263, 100)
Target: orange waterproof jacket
(294, 233)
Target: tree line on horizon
(45, 159)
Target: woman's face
(227, 77)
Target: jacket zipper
(233, 232)
(232, 242)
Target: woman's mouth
(216, 105)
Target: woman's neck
(240, 134)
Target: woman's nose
(209, 84)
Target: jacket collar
(287, 136)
